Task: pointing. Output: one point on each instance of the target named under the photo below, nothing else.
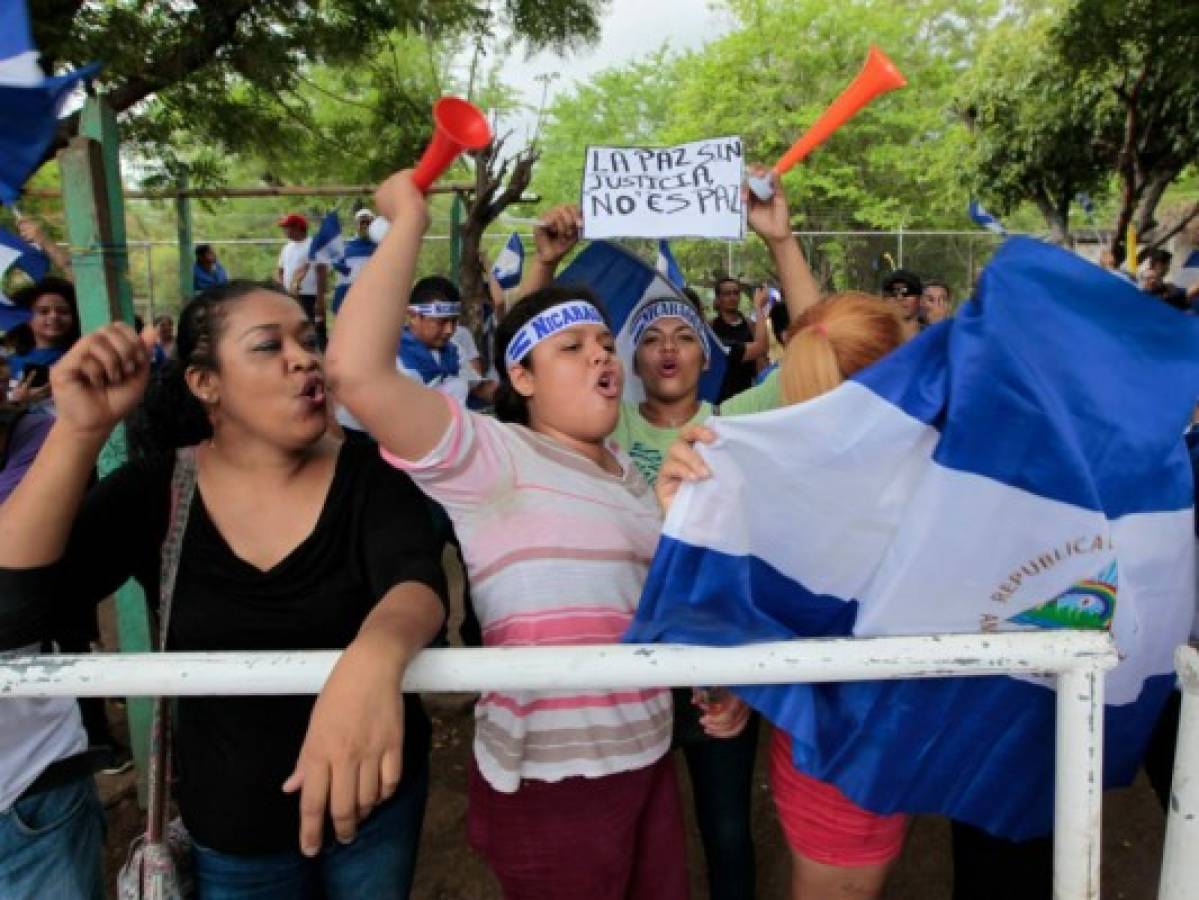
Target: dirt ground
(448, 870)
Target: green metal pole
(183, 225)
(456, 239)
(100, 264)
(98, 122)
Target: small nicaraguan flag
(327, 245)
(627, 284)
(982, 477)
(668, 266)
(16, 252)
(984, 219)
(510, 263)
(29, 101)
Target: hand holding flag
(509, 263)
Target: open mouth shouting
(608, 384)
(313, 391)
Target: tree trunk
(491, 197)
(1056, 218)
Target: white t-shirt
(36, 731)
(468, 350)
(293, 255)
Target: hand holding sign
(556, 233)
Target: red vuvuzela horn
(457, 125)
(878, 76)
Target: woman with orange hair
(838, 849)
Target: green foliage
(200, 81)
(1053, 94)
(896, 164)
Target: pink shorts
(824, 825)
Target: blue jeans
(378, 864)
(52, 845)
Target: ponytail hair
(510, 406)
(170, 415)
(834, 339)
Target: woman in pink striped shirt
(571, 793)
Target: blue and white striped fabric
(29, 101)
(16, 252)
(327, 245)
(1018, 466)
(984, 219)
(668, 265)
(357, 251)
(510, 263)
(626, 284)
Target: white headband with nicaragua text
(548, 323)
(667, 309)
(437, 309)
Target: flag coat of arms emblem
(1019, 466)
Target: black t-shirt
(234, 753)
(738, 374)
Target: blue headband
(667, 309)
(548, 323)
(438, 309)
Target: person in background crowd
(1153, 280)
(571, 792)
(747, 342)
(54, 326)
(159, 339)
(905, 289)
(51, 820)
(358, 250)
(838, 849)
(303, 279)
(431, 351)
(295, 539)
(207, 271)
(935, 302)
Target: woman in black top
(295, 540)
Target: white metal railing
(1077, 658)
(1180, 860)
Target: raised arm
(771, 220)
(554, 236)
(404, 416)
(32, 232)
(759, 347)
(95, 386)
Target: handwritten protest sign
(692, 190)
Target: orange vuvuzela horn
(878, 76)
(457, 125)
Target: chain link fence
(841, 260)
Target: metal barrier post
(1180, 861)
(1078, 784)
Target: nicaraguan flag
(1189, 273)
(327, 245)
(668, 266)
(510, 263)
(1019, 466)
(984, 219)
(29, 101)
(626, 283)
(26, 257)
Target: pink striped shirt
(557, 551)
